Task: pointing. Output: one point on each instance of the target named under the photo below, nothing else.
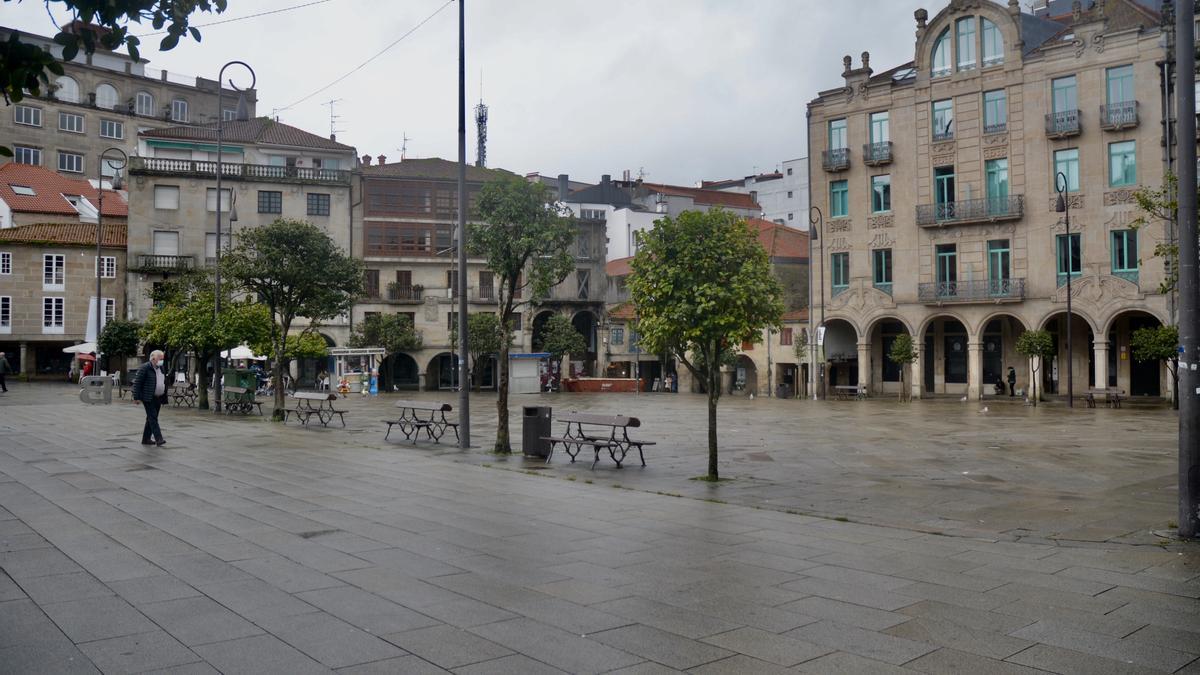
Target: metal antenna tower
(333, 118)
(481, 117)
(404, 139)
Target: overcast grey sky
(684, 89)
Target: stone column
(1101, 356)
(974, 369)
(916, 371)
(26, 366)
(864, 367)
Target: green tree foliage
(702, 283)
(903, 353)
(184, 321)
(1160, 204)
(526, 240)
(120, 338)
(393, 333)
(560, 338)
(1038, 347)
(485, 337)
(296, 270)
(1159, 343)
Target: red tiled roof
(796, 316)
(618, 268)
(711, 197)
(624, 311)
(258, 130)
(50, 188)
(65, 234)
(780, 241)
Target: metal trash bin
(535, 426)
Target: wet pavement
(1013, 540)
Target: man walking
(1012, 381)
(149, 389)
(4, 370)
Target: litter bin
(535, 426)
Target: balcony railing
(147, 262)
(485, 295)
(837, 159)
(1117, 116)
(1063, 124)
(404, 294)
(943, 135)
(877, 154)
(995, 128)
(257, 172)
(999, 290)
(963, 211)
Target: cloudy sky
(680, 89)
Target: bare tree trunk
(280, 345)
(714, 392)
(202, 400)
(503, 445)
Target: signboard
(820, 336)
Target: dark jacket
(144, 382)
(4, 367)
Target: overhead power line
(377, 55)
(243, 18)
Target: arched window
(106, 97)
(940, 64)
(68, 90)
(179, 110)
(965, 28)
(145, 103)
(993, 43)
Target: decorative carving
(995, 153)
(839, 225)
(1119, 219)
(991, 230)
(1074, 200)
(431, 308)
(862, 88)
(945, 147)
(849, 92)
(1078, 45)
(839, 244)
(1098, 42)
(883, 240)
(1100, 290)
(878, 222)
(861, 298)
(995, 139)
(1116, 197)
(1060, 227)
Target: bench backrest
(313, 396)
(606, 420)
(436, 406)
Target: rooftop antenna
(481, 119)
(333, 119)
(642, 173)
(404, 146)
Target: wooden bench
(305, 404)
(182, 394)
(429, 416)
(844, 392)
(1112, 396)
(618, 445)
(240, 400)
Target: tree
(903, 354)
(184, 321)
(560, 338)
(1159, 343)
(95, 23)
(119, 339)
(484, 338)
(1161, 204)
(1037, 346)
(393, 333)
(702, 285)
(296, 270)
(525, 239)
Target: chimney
(382, 160)
(366, 159)
(333, 137)
(564, 186)
(626, 175)
(605, 179)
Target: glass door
(999, 268)
(943, 192)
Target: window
(617, 336)
(943, 119)
(940, 63)
(53, 272)
(1066, 162)
(1120, 84)
(1122, 164)
(789, 170)
(144, 104)
(179, 110)
(996, 175)
(1065, 96)
(452, 282)
(791, 216)
(947, 269)
(879, 128)
(965, 30)
(943, 188)
(785, 337)
(452, 322)
(210, 198)
(28, 115)
(66, 90)
(112, 129)
(210, 245)
(166, 197)
(881, 194)
(228, 114)
(318, 204)
(5, 314)
(837, 134)
(165, 242)
(70, 122)
(110, 310)
(1124, 252)
(106, 97)
(514, 321)
(993, 43)
(70, 161)
(108, 267)
(839, 199)
(999, 267)
(26, 155)
(270, 201)
(583, 245)
(583, 279)
(5, 263)
(839, 270)
(487, 285)
(52, 315)
(371, 283)
(789, 194)
(881, 268)
(995, 111)
(1070, 258)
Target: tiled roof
(262, 130)
(64, 234)
(780, 241)
(625, 311)
(735, 200)
(49, 188)
(795, 316)
(431, 167)
(618, 268)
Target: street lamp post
(818, 221)
(242, 115)
(1063, 206)
(116, 185)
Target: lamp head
(233, 213)
(1060, 205)
(117, 182)
(243, 108)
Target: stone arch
(997, 335)
(1115, 361)
(442, 372)
(399, 371)
(942, 313)
(978, 328)
(537, 328)
(1078, 373)
(1091, 323)
(587, 324)
(1119, 313)
(885, 376)
(1004, 18)
(840, 352)
(876, 320)
(745, 372)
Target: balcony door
(167, 243)
(999, 267)
(943, 191)
(947, 270)
(997, 186)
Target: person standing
(4, 371)
(150, 389)
(1012, 381)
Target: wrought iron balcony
(877, 154)
(1063, 124)
(943, 292)
(485, 295)
(157, 264)
(995, 128)
(405, 294)
(1117, 116)
(837, 159)
(964, 211)
(940, 135)
(229, 171)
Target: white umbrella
(242, 352)
(81, 348)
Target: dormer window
(106, 96)
(993, 43)
(965, 30)
(940, 64)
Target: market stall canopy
(242, 352)
(81, 348)
(86, 357)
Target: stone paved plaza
(867, 537)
